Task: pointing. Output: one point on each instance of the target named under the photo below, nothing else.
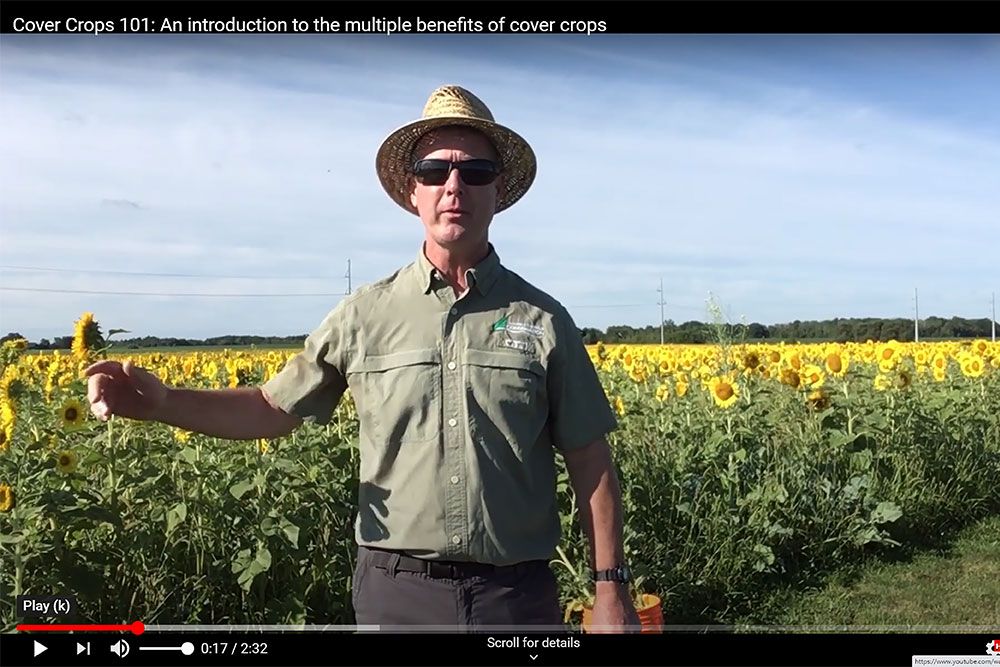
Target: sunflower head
(87, 337)
(882, 382)
(6, 497)
(681, 388)
(724, 391)
(903, 379)
(836, 364)
(619, 406)
(973, 367)
(813, 377)
(791, 377)
(66, 461)
(72, 414)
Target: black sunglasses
(472, 172)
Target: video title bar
(162, 17)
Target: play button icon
(40, 648)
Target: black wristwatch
(620, 573)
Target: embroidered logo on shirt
(504, 324)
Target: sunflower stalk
(112, 461)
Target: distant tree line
(66, 342)
(693, 331)
(836, 330)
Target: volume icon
(120, 648)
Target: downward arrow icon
(532, 656)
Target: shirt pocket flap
(493, 359)
(386, 362)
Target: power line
(44, 269)
(191, 294)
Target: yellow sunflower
(980, 347)
(66, 461)
(813, 377)
(883, 382)
(6, 436)
(751, 361)
(6, 497)
(836, 364)
(681, 388)
(72, 414)
(794, 360)
(940, 361)
(619, 406)
(889, 353)
(263, 445)
(86, 336)
(662, 392)
(791, 377)
(972, 367)
(724, 391)
(940, 374)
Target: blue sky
(793, 177)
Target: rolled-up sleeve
(312, 382)
(579, 411)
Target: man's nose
(454, 182)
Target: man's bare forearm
(240, 413)
(598, 493)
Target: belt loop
(393, 564)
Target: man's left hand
(613, 610)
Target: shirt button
(454, 479)
(451, 365)
(454, 311)
(455, 539)
(452, 422)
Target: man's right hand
(125, 389)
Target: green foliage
(724, 507)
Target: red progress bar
(137, 628)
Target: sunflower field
(744, 467)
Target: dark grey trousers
(464, 598)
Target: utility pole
(348, 276)
(661, 310)
(916, 317)
(993, 320)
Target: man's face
(456, 215)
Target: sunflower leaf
(239, 489)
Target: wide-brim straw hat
(454, 105)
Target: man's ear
(411, 187)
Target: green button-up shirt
(462, 402)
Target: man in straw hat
(467, 380)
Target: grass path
(955, 586)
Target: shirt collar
(481, 277)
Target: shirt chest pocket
(400, 395)
(507, 398)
